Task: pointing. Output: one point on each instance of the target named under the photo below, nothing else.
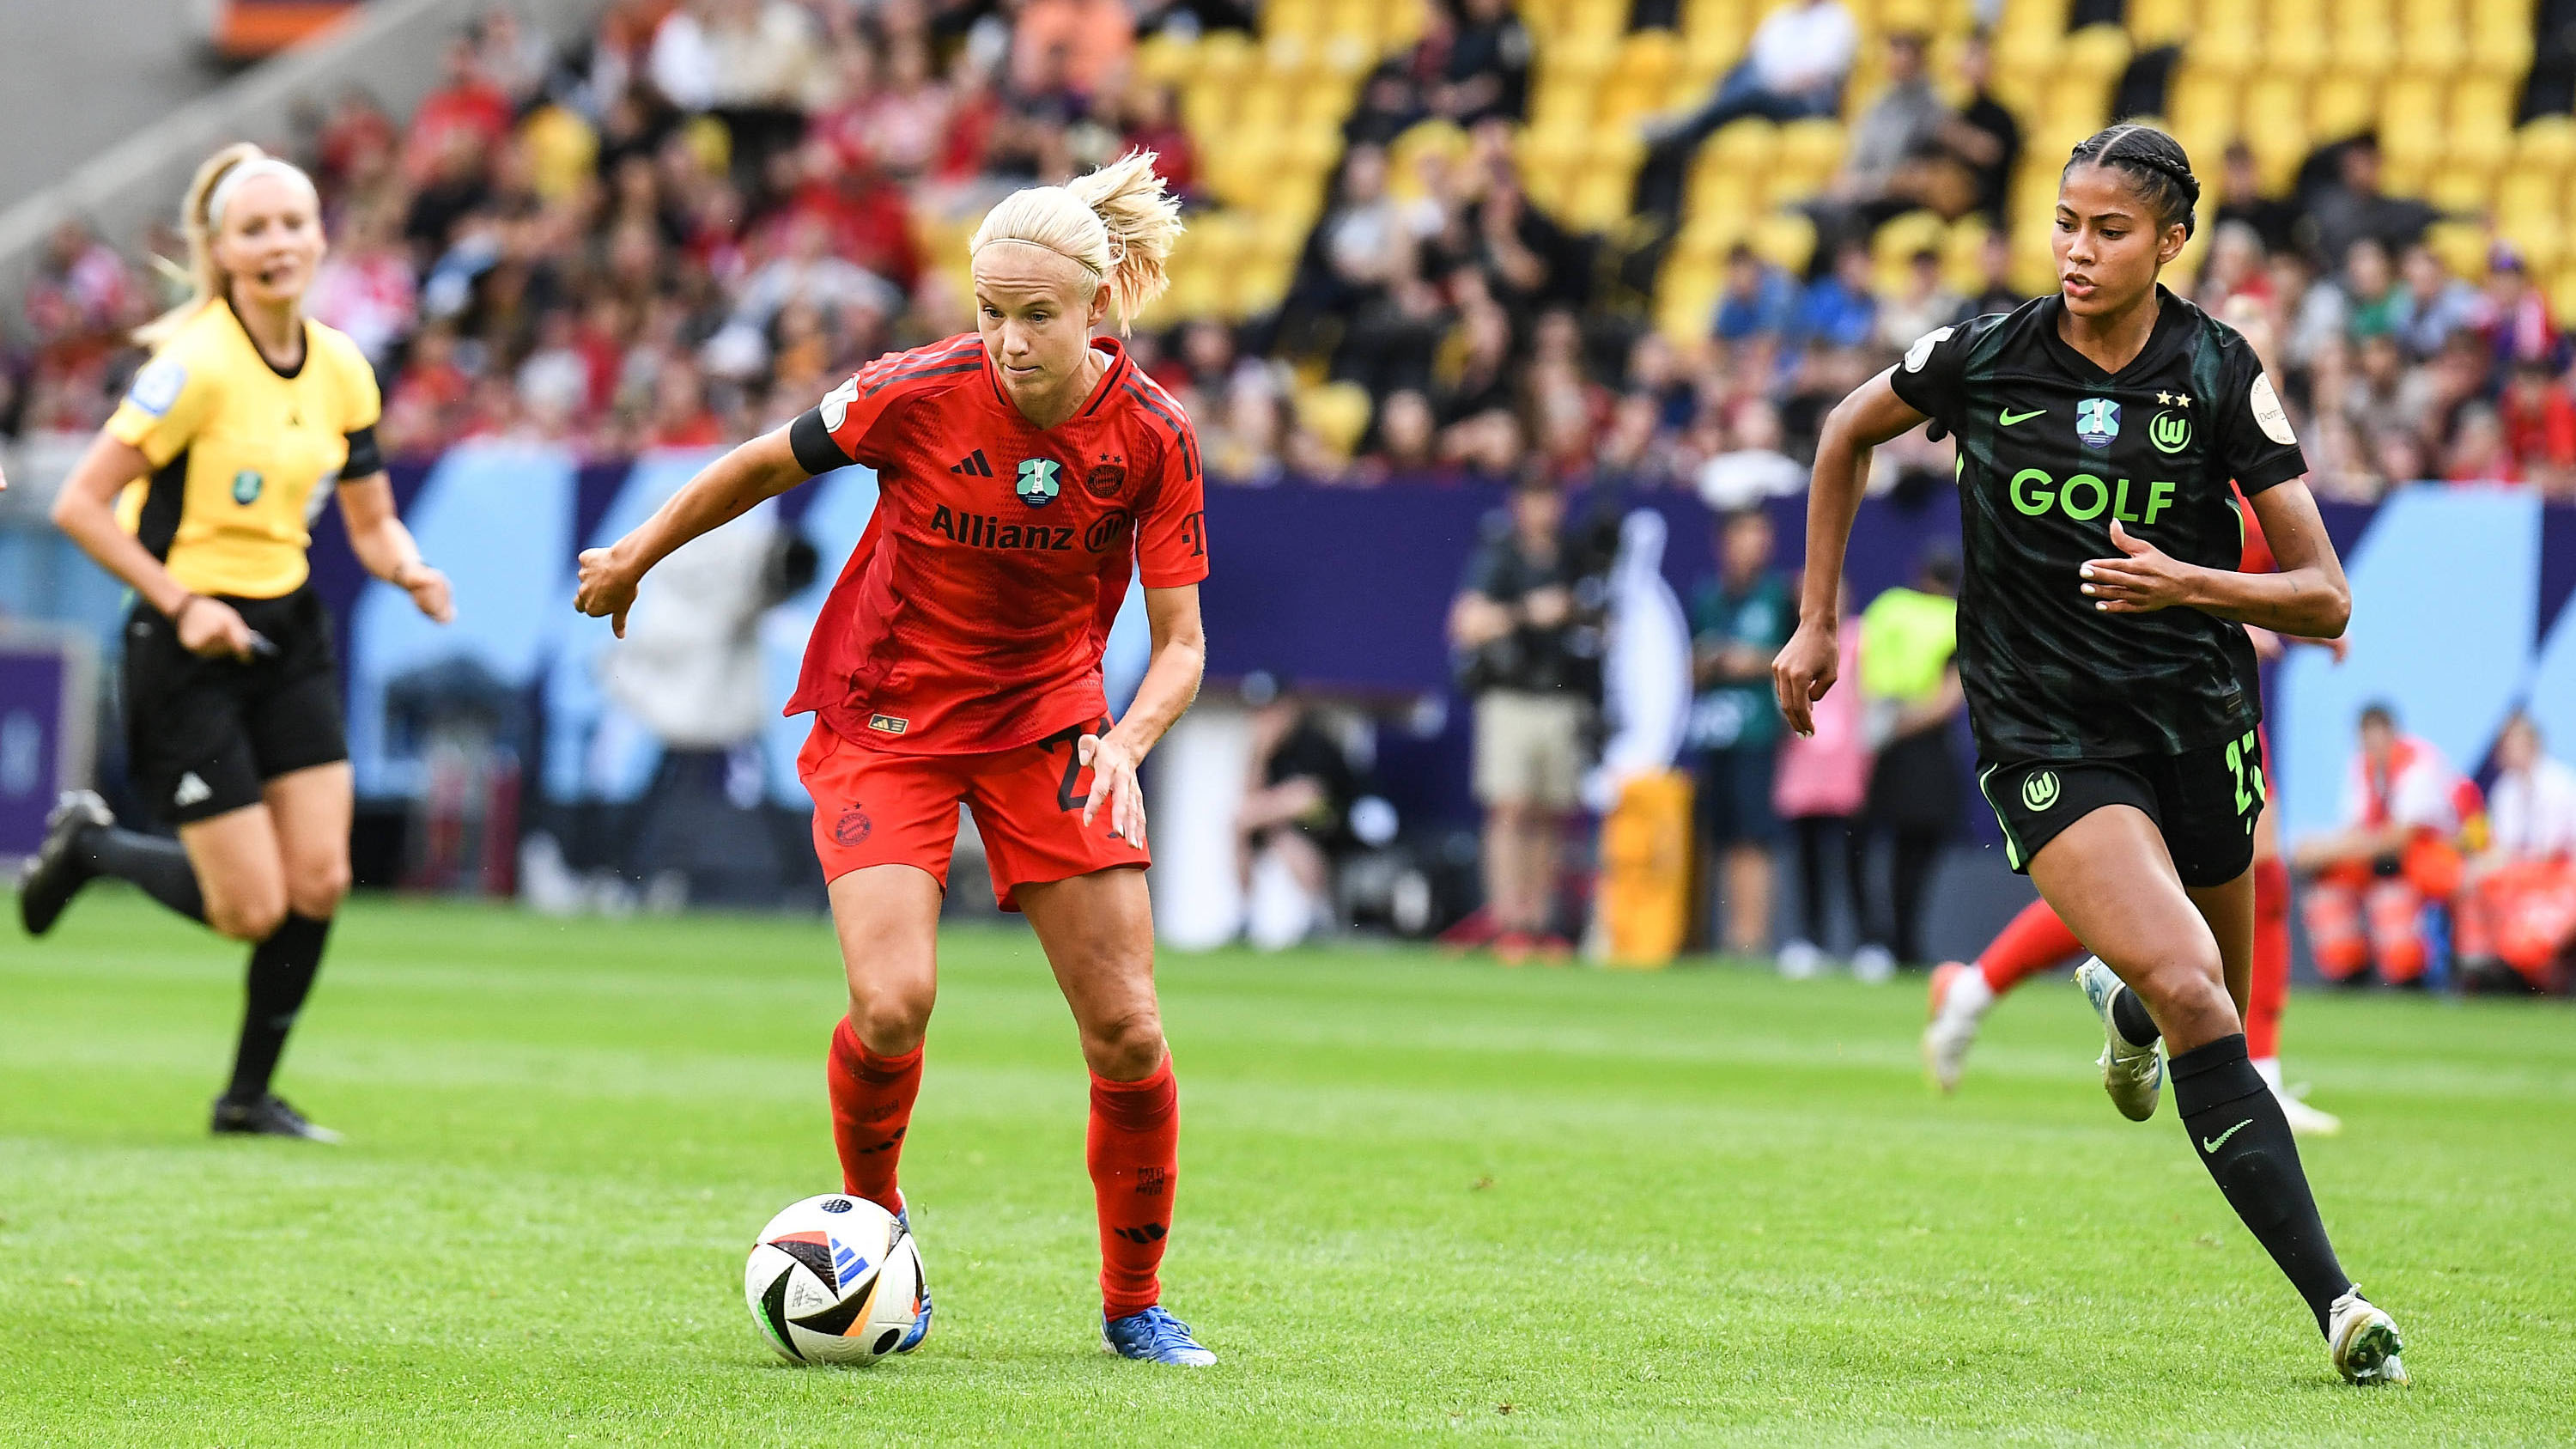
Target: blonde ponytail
(197, 222)
(1117, 223)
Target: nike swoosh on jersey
(2212, 1144)
(2008, 417)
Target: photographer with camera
(1526, 635)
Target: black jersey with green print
(2051, 450)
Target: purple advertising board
(44, 731)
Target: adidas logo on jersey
(973, 465)
(191, 791)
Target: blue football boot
(921, 1291)
(1154, 1336)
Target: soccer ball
(835, 1279)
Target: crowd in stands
(683, 229)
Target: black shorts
(2204, 802)
(202, 735)
(1731, 795)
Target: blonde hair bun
(1117, 223)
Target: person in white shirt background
(2516, 913)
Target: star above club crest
(2164, 399)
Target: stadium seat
(1785, 239)
(2341, 104)
(1336, 413)
(2545, 143)
(2461, 245)
(2159, 22)
(1893, 245)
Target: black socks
(156, 865)
(281, 973)
(2237, 1128)
(2129, 1014)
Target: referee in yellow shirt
(196, 494)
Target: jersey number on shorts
(2245, 762)
(1066, 797)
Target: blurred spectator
(1486, 71)
(1759, 300)
(1739, 619)
(1752, 469)
(2439, 306)
(1927, 302)
(466, 110)
(1910, 677)
(1080, 43)
(2516, 911)
(1840, 308)
(1296, 812)
(2519, 327)
(1995, 289)
(1882, 171)
(367, 287)
(1984, 138)
(2242, 200)
(2352, 207)
(2540, 428)
(1823, 782)
(1513, 631)
(1795, 67)
(2369, 879)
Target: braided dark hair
(2156, 165)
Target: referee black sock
(158, 865)
(2237, 1128)
(2129, 1015)
(281, 973)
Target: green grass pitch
(1422, 1201)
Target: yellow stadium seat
(1684, 309)
(2523, 196)
(2483, 104)
(1892, 247)
(1751, 144)
(2432, 40)
(2545, 143)
(2461, 245)
(2077, 104)
(1578, 60)
(2410, 117)
(1706, 238)
(1622, 103)
(1163, 59)
(2461, 189)
(2340, 105)
(2562, 293)
(1722, 193)
(1649, 58)
(1815, 142)
(1553, 149)
(1337, 413)
(1605, 18)
(1562, 103)
(1291, 17)
(2500, 37)
(1598, 198)
(2365, 50)
(2159, 22)
(1222, 56)
(1785, 239)
(1920, 16)
(1355, 19)
(2203, 102)
(2542, 240)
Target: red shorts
(875, 807)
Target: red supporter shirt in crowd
(973, 613)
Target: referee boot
(266, 1116)
(57, 871)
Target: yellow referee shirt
(240, 451)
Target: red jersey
(972, 615)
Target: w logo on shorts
(2040, 790)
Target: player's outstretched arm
(723, 491)
(2308, 597)
(1171, 682)
(1805, 667)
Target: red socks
(2270, 988)
(2034, 941)
(871, 1107)
(1134, 1154)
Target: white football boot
(2133, 1075)
(1958, 999)
(2364, 1341)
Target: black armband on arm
(812, 442)
(366, 460)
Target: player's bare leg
(887, 920)
(2111, 879)
(1098, 933)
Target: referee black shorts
(202, 735)
(2203, 801)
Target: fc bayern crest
(1037, 483)
(1105, 480)
(2097, 421)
